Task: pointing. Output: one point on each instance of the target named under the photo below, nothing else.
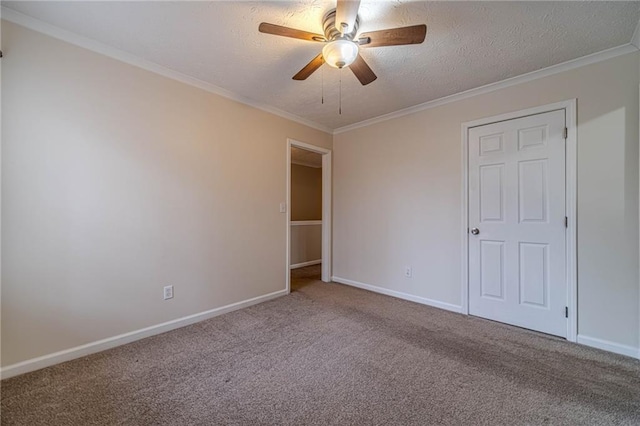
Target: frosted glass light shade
(340, 53)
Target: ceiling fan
(341, 44)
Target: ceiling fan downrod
(331, 30)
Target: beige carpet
(334, 355)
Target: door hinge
(566, 312)
(566, 222)
(566, 133)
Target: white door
(517, 253)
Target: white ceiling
(469, 44)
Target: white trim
(327, 217)
(287, 270)
(405, 296)
(303, 264)
(326, 209)
(570, 108)
(309, 147)
(95, 46)
(120, 55)
(607, 345)
(122, 339)
(492, 87)
(571, 194)
(464, 291)
(519, 114)
(581, 339)
(305, 222)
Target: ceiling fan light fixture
(340, 53)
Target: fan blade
(346, 13)
(290, 32)
(308, 69)
(362, 71)
(394, 36)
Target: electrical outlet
(168, 292)
(408, 271)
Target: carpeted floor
(328, 354)
(303, 277)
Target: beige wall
(306, 243)
(306, 193)
(117, 182)
(398, 184)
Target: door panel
(490, 144)
(491, 187)
(517, 262)
(532, 191)
(492, 269)
(533, 137)
(534, 274)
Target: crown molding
(122, 56)
(118, 54)
(492, 87)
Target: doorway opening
(308, 215)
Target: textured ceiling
(304, 157)
(469, 44)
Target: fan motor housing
(330, 30)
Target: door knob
(475, 231)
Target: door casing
(326, 209)
(569, 107)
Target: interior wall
(306, 244)
(398, 195)
(306, 192)
(117, 182)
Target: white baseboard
(606, 345)
(303, 264)
(400, 295)
(122, 339)
(582, 339)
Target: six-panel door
(517, 261)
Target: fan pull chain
(340, 107)
(322, 90)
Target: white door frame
(569, 107)
(326, 208)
